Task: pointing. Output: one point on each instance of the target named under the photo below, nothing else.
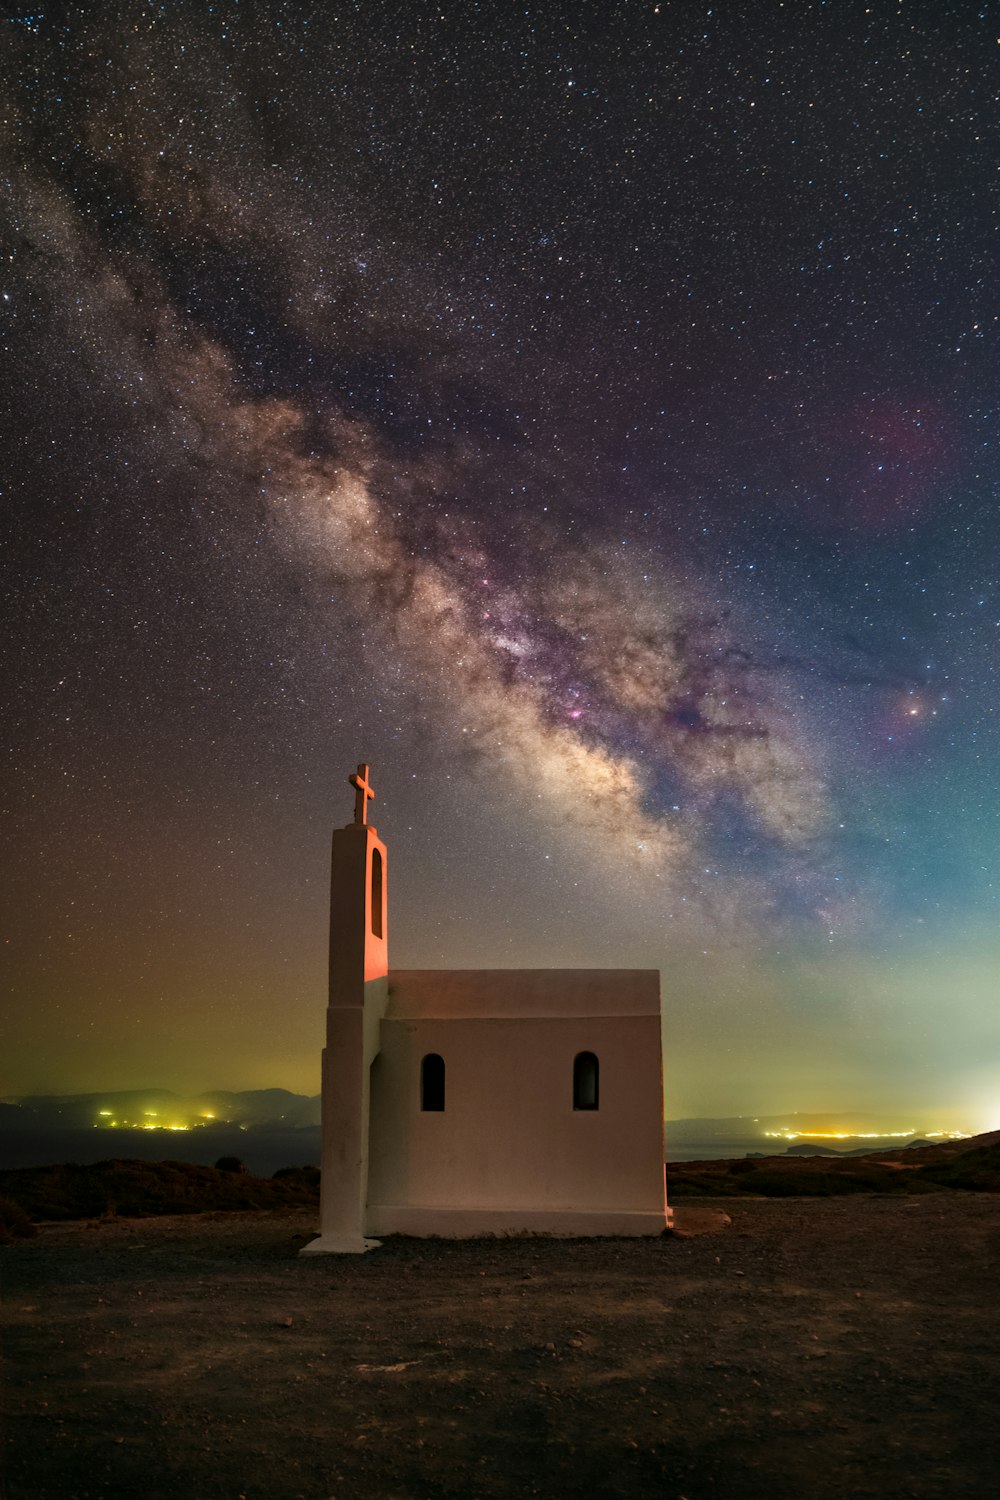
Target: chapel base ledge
(339, 1244)
(469, 1223)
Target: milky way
(592, 416)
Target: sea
(716, 1150)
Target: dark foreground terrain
(815, 1348)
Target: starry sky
(585, 413)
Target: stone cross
(362, 792)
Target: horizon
(838, 1122)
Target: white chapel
(460, 1102)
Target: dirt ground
(816, 1348)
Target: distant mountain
(273, 1108)
(13, 1118)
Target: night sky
(585, 413)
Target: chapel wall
(509, 1136)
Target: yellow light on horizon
(855, 1135)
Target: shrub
(305, 1177)
(701, 1185)
(14, 1222)
(977, 1171)
(781, 1184)
(137, 1189)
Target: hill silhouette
(140, 1189)
(972, 1164)
(144, 1189)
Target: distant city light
(840, 1135)
(864, 1135)
(105, 1122)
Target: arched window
(377, 895)
(432, 1082)
(586, 1076)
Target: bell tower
(358, 936)
(359, 968)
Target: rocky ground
(812, 1348)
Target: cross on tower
(362, 792)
